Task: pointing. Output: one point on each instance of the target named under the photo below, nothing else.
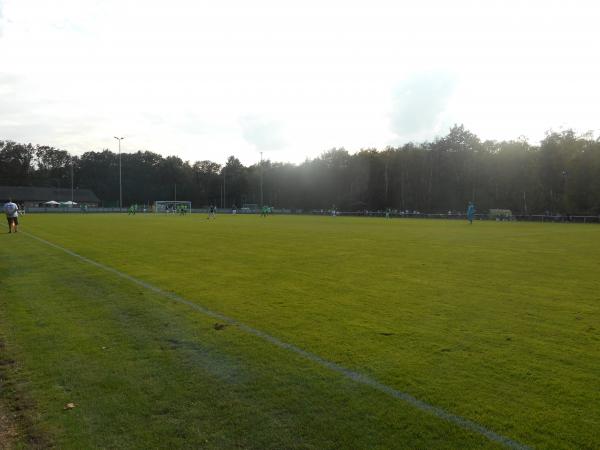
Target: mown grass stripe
(462, 422)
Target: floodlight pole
(224, 188)
(565, 175)
(261, 180)
(71, 180)
(120, 181)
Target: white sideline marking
(462, 422)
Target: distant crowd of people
(12, 211)
(389, 212)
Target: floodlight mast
(261, 180)
(71, 180)
(120, 182)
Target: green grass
(496, 322)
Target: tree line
(560, 175)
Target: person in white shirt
(12, 216)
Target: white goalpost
(172, 207)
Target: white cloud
(263, 133)
(419, 104)
(303, 78)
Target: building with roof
(32, 196)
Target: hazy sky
(208, 79)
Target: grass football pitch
(334, 332)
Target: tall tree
(561, 175)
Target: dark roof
(45, 194)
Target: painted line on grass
(462, 422)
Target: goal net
(172, 207)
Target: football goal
(172, 207)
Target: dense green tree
(234, 183)
(561, 175)
(16, 163)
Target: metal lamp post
(261, 180)
(120, 182)
(71, 180)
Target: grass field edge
(357, 377)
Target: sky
(206, 79)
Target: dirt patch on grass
(8, 423)
(16, 409)
(8, 429)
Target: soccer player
(212, 212)
(470, 212)
(12, 216)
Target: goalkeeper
(471, 212)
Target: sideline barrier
(396, 215)
(457, 216)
